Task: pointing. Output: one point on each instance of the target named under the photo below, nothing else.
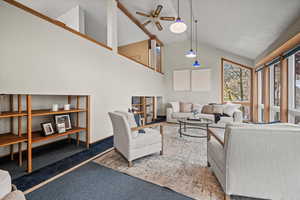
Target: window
(237, 85)
(275, 92)
(297, 80)
(261, 96)
(294, 88)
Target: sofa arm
(238, 116)
(169, 114)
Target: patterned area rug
(182, 168)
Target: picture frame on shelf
(47, 128)
(60, 127)
(59, 119)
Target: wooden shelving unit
(30, 137)
(146, 107)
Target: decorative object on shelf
(55, 107)
(178, 26)
(154, 17)
(67, 107)
(196, 63)
(47, 128)
(64, 119)
(191, 53)
(61, 127)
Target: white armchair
(260, 161)
(7, 190)
(130, 143)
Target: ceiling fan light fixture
(196, 63)
(190, 54)
(178, 26)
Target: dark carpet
(96, 182)
(40, 175)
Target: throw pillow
(229, 108)
(186, 107)
(207, 109)
(197, 108)
(218, 109)
(175, 106)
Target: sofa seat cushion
(206, 116)
(5, 183)
(179, 115)
(151, 136)
(226, 120)
(216, 153)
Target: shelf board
(50, 112)
(12, 114)
(37, 136)
(10, 138)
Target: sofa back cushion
(186, 107)
(218, 109)
(229, 109)
(207, 109)
(175, 106)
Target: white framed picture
(182, 80)
(59, 119)
(201, 80)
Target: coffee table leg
(180, 129)
(184, 127)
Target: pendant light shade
(191, 53)
(196, 63)
(178, 26)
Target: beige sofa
(7, 190)
(259, 161)
(173, 114)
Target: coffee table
(186, 124)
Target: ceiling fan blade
(146, 23)
(157, 11)
(158, 25)
(143, 14)
(167, 18)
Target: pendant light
(196, 63)
(191, 53)
(178, 26)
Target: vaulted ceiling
(242, 27)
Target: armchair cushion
(152, 136)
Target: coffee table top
(200, 121)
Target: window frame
(243, 103)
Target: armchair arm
(212, 134)
(148, 126)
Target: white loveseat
(259, 161)
(173, 114)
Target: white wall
(287, 34)
(210, 57)
(37, 57)
(74, 19)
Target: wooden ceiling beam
(291, 43)
(137, 22)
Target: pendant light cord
(196, 39)
(191, 24)
(178, 9)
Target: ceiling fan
(155, 18)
